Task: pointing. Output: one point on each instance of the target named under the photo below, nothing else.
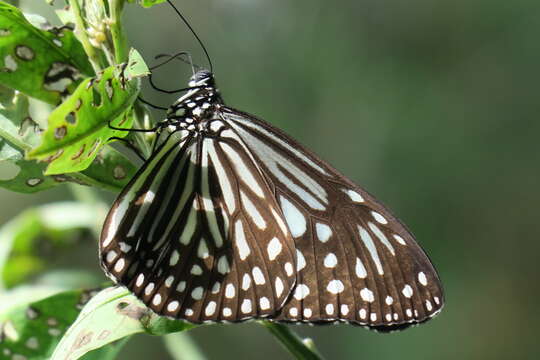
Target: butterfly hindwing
(356, 262)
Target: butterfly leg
(130, 146)
(151, 105)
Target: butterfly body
(230, 219)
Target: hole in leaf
(34, 182)
(60, 132)
(27, 125)
(55, 156)
(109, 89)
(94, 146)
(119, 172)
(23, 52)
(96, 97)
(71, 118)
(8, 170)
(78, 153)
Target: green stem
(117, 31)
(14, 140)
(301, 350)
(80, 30)
(182, 347)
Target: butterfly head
(203, 78)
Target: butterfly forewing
(356, 262)
(198, 234)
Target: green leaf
(149, 3)
(22, 238)
(111, 169)
(42, 64)
(32, 325)
(136, 67)
(111, 315)
(79, 127)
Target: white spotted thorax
(230, 219)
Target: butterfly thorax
(192, 110)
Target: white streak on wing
(208, 204)
(242, 170)
(252, 211)
(294, 218)
(368, 242)
(118, 214)
(186, 193)
(189, 227)
(280, 222)
(241, 243)
(296, 152)
(223, 178)
(156, 183)
(167, 198)
(273, 160)
(382, 237)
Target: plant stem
(117, 31)
(297, 347)
(182, 347)
(80, 30)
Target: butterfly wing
(198, 235)
(355, 261)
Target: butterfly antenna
(194, 34)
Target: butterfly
(230, 219)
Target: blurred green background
(432, 106)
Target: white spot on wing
(323, 232)
(300, 262)
(422, 278)
(356, 197)
(360, 269)
(279, 286)
(246, 306)
(294, 218)
(330, 261)
(274, 248)
(407, 291)
(380, 219)
(241, 243)
(301, 291)
(367, 295)
(258, 276)
(246, 281)
(335, 287)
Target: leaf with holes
(111, 315)
(32, 325)
(49, 226)
(42, 64)
(19, 133)
(79, 127)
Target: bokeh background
(431, 105)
